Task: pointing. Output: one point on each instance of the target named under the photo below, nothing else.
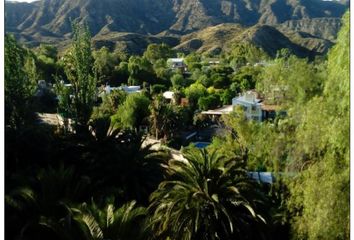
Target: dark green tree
(103, 66)
(320, 194)
(206, 197)
(155, 52)
(132, 113)
(126, 222)
(78, 63)
(20, 83)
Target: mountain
(221, 37)
(153, 21)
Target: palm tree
(126, 222)
(206, 197)
(39, 208)
(121, 164)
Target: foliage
(206, 197)
(157, 89)
(139, 69)
(20, 83)
(245, 53)
(103, 66)
(155, 52)
(282, 83)
(132, 112)
(48, 51)
(246, 78)
(94, 186)
(166, 119)
(193, 61)
(78, 69)
(126, 222)
(178, 81)
(194, 92)
(109, 105)
(210, 102)
(321, 205)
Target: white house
(169, 95)
(254, 107)
(177, 63)
(251, 105)
(131, 89)
(128, 89)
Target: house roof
(244, 100)
(219, 111)
(168, 94)
(176, 60)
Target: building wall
(252, 110)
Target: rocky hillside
(49, 20)
(221, 38)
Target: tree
(246, 77)
(48, 51)
(109, 105)
(78, 69)
(193, 61)
(103, 65)
(206, 197)
(244, 53)
(121, 74)
(178, 81)
(194, 92)
(210, 102)
(140, 69)
(20, 83)
(126, 222)
(155, 52)
(132, 112)
(124, 158)
(40, 206)
(282, 83)
(166, 119)
(161, 70)
(319, 195)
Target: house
(251, 104)
(177, 64)
(212, 61)
(128, 89)
(219, 111)
(255, 107)
(131, 89)
(169, 96)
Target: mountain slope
(221, 38)
(50, 20)
(152, 17)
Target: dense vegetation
(97, 176)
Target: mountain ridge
(49, 20)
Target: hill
(153, 21)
